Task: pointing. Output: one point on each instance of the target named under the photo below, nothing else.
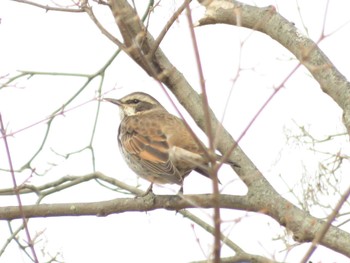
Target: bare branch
(14, 234)
(19, 200)
(322, 232)
(121, 205)
(209, 132)
(167, 27)
(279, 208)
(51, 8)
(303, 226)
(211, 230)
(140, 45)
(242, 258)
(268, 21)
(104, 31)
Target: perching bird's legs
(148, 191)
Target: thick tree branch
(121, 205)
(268, 21)
(239, 258)
(262, 197)
(304, 226)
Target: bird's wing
(152, 150)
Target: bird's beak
(114, 101)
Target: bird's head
(135, 103)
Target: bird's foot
(148, 192)
(181, 190)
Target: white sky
(31, 39)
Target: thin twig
(14, 234)
(201, 81)
(213, 172)
(18, 197)
(166, 28)
(321, 233)
(104, 31)
(276, 90)
(50, 8)
(211, 230)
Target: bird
(156, 144)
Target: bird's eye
(133, 101)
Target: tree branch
(304, 226)
(271, 23)
(261, 195)
(51, 8)
(121, 205)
